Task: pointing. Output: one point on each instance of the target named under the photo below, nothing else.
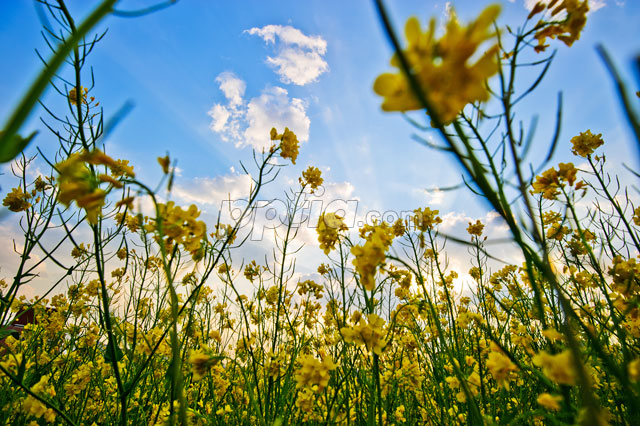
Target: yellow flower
(314, 373)
(442, 68)
(122, 168)
(371, 334)
(226, 410)
(559, 368)
(399, 414)
(122, 253)
(252, 270)
(289, 144)
(634, 370)
(77, 182)
(329, 225)
(79, 379)
(549, 183)
(16, 200)
(550, 402)
(34, 407)
(40, 184)
(567, 30)
(164, 163)
(425, 219)
(323, 269)
(201, 362)
(224, 232)
(625, 275)
(636, 216)
(182, 227)
(368, 257)
(557, 232)
(312, 177)
(500, 366)
(552, 334)
(585, 143)
(475, 228)
(74, 99)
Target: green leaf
(108, 357)
(13, 146)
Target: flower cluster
(182, 227)
(329, 226)
(289, 144)
(371, 334)
(442, 68)
(425, 219)
(551, 181)
(372, 253)
(79, 182)
(312, 177)
(313, 373)
(585, 143)
(475, 228)
(17, 200)
(566, 30)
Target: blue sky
(174, 64)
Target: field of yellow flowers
(153, 328)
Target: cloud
(226, 120)
(232, 87)
(299, 58)
(212, 191)
(433, 196)
(273, 108)
(248, 123)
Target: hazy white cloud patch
(212, 191)
(232, 86)
(226, 119)
(247, 123)
(299, 58)
(433, 196)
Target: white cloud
(273, 108)
(433, 196)
(249, 123)
(226, 120)
(299, 58)
(213, 191)
(220, 117)
(232, 87)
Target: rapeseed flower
(289, 144)
(312, 177)
(560, 368)
(372, 253)
(370, 333)
(585, 143)
(329, 226)
(441, 66)
(566, 30)
(550, 402)
(314, 373)
(201, 361)
(17, 200)
(500, 366)
(78, 183)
